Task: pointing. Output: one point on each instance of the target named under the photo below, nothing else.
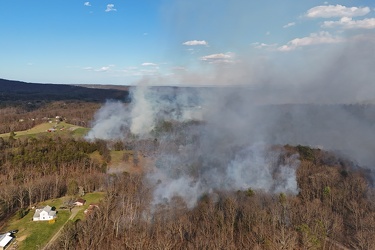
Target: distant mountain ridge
(11, 90)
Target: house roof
(5, 239)
(52, 213)
(47, 209)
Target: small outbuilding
(79, 202)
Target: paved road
(74, 211)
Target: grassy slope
(119, 165)
(90, 199)
(35, 234)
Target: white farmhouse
(45, 213)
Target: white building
(43, 214)
(5, 240)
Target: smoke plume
(219, 133)
(221, 138)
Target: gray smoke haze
(259, 100)
(209, 147)
(230, 147)
(143, 112)
(110, 122)
(254, 166)
(148, 107)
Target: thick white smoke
(110, 122)
(255, 167)
(149, 106)
(142, 112)
(229, 147)
(213, 143)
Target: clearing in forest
(61, 128)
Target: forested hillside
(37, 169)
(24, 105)
(334, 206)
(334, 209)
(189, 184)
(11, 91)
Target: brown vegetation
(34, 170)
(334, 209)
(17, 118)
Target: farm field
(61, 128)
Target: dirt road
(74, 211)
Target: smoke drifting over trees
(221, 138)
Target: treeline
(26, 115)
(24, 105)
(33, 170)
(335, 209)
(15, 91)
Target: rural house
(44, 214)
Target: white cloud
(258, 45)
(149, 64)
(103, 69)
(219, 58)
(289, 25)
(88, 68)
(322, 37)
(327, 11)
(349, 23)
(110, 7)
(87, 4)
(195, 42)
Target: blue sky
(169, 41)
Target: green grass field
(61, 129)
(117, 157)
(36, 234)
(90, 198)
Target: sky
(174, 42)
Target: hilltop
(11, 91)
(24, 105)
